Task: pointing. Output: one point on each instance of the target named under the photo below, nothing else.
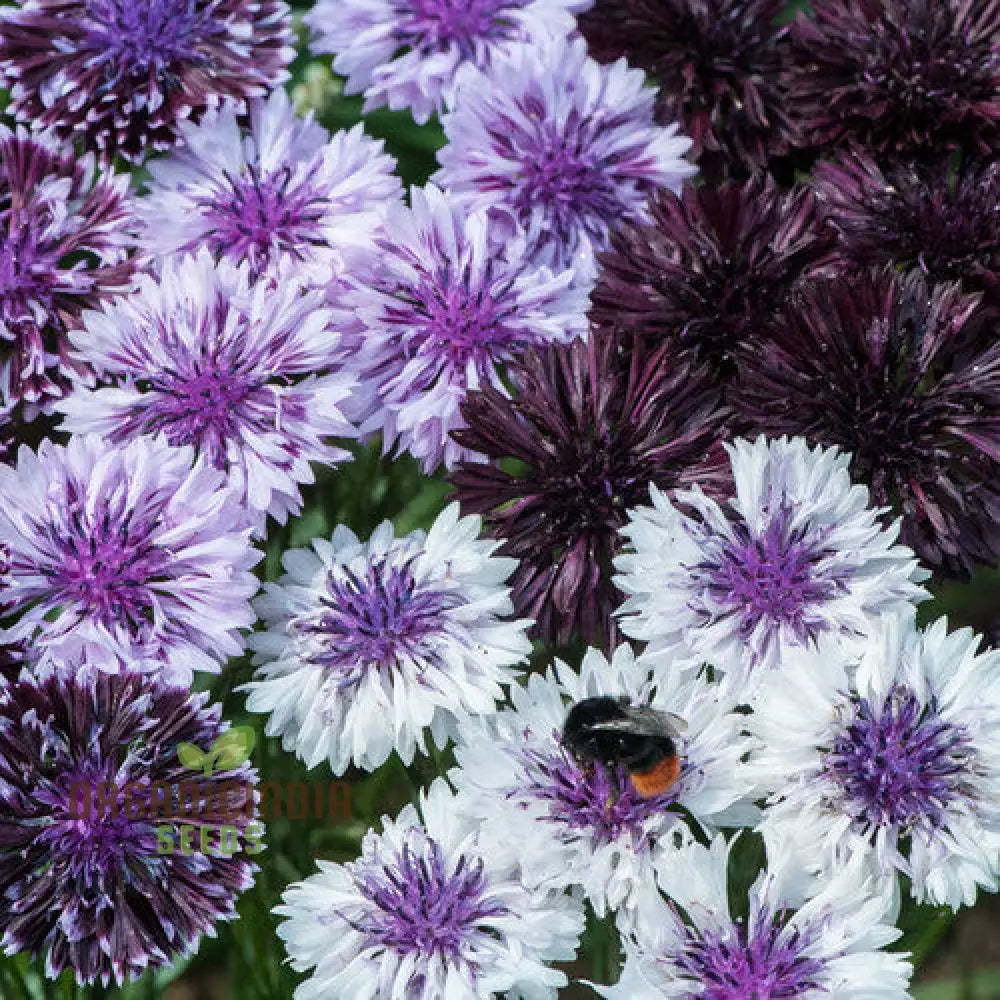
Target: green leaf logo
(190, 756)
(230, 750)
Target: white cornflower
(433, 909)
(370, 643)
(894, 756)
(796, 554)
(802, 938)
(586, 825)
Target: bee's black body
(613, 732)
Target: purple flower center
(372, 619)
(85, 826)
(560, 173)
(591, 799)
(771, 576)
(452, 321)
(438, 24)
(765, 962)
(900, 765)
(256, 217)
(26, 275)
(107, 572)
(132, 38)
(205, 401)
(418, 905)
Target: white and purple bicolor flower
(891, 756)
(556, 145)
(370, 644)
(249, 373)
(129, 557)
(801, 937)
(585, 825)
(282, 196)
(435, 312)
(433, 908)
(405, 54)
(796, 554)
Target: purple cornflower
(711, 267)
(284, 193)
(796, 553)
(90, 789)
(900, 77)
(799, 937)
(126, 557)
(902, 376)
(721, 70)
(549, 140)
(247, 372)
(438, 309)
(63, 243)
(943, 220)
(891, 758)
(434, 907)
(406, 53)
(592, 425)
(119, 75)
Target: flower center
(144, 38)
(256, 216)
(108, 573)
(205, 407)
(771, 576)
(89, 819)
(375, 618)
(558, 176)
(900, 765)
(765, 962)
(590, 798)
(418, 905)
(436, 24)
(453, 320)
(592, 487)
(26, 272)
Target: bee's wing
(679, 725)
(645, 720)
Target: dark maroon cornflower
(944, 221)
(900, 77)
(592, 426)
(63, 247)
(119, 74)
(711, 267)
(900, 374)
(720, 65)
(91, 791)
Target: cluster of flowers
(720, 430)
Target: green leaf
(190, 756)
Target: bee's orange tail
(657, 780)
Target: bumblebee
(613, 732)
